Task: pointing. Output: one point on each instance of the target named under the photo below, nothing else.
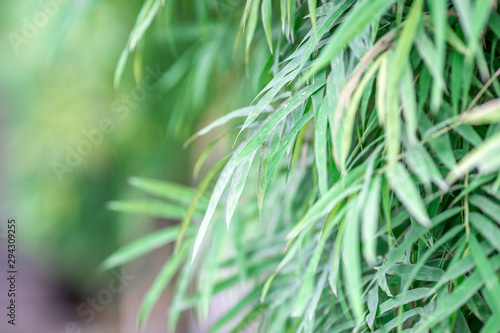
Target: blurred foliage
(373, 145)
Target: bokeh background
(57, 66)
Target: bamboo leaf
(407, 192)
(196, 198)
(370, 219)
(266, 130)
(355, 22)
(140, 247)
(352, 263)
(312, 11)
(164, 276)
(167, 190)
(477, 158)
(154, 208)
(267, 22)
(487, 113)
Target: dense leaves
(378, 202)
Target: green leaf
(370, 220)
(167, 190)
(455, 300)
(354, 23)
(284, 145)
(404, 298)
(240, 177)
(214, 200)
(285, 261)
(350, 114)
(352, 263)
(209, 270)
(486, 228)
(154, 208)
(487, 113)
(249, 299)
(194, 202)
(243, 112)
(120, 66)
(338, 192)
(405, 41)
(417, 272)
(297, 60)
(425, 273)
(268, 150)
(320, 144)
(407, 193)
(477, 158)
(407, 315)
(166, 273)
(491, 291)
(267, 129)
(250, 29)
(486, 205)
(267, 22)
(180, 289)
(439, 19)
(143, 21)
(408, 98)
(140, 247)
(308, 278)
(312, 11)
(372, 303)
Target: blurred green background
(57, 83)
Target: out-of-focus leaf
(320, 144)
(312, 12)
(166, 273)
(167, 190)
(352, 263)
(486, 205)
(409, 102)
(405, 41)
(148, 207)
(491, 289)
(370, 220)
(267, 22)
(307, 286)
(209, 271)
(372, 303)
(424, 274)
(243, 112)
(269, 148)
(405, 298)
(439, 20)
(196, 198)
(250, 29)
(487, 113)
(140, 247)
(477, 158)
(407, 315)
(486, 228)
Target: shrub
(374, 146)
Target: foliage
(374, 145)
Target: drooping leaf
(407, 192)
(164, 276)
